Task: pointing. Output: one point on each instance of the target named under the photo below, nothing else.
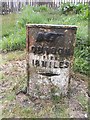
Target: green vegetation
(13, 79)
(75, 9)
(8, 23)
(83, 101)
(67, 14)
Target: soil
(77, 101)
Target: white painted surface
(44, 83)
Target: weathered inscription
(50, 64)
(38, 49)
(48, 61)
(50, 54)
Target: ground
(13, 79)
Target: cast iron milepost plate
(50, 54)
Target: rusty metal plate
(50, 51)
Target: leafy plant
(67, 8)
(76, 9)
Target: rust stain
(50, 55)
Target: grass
(83, 101)
(14, 35)
(8, 23)
(16, 39)
(14, 79)
(16, 55)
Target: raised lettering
(44, 64)
(33, 62)
(61, 64)
(67, 64)
(46, 50)
(53, 50)
(60, 51)
(50, 64)
(55, 65)
(33, 49)
(39, 49)
(37, 63)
